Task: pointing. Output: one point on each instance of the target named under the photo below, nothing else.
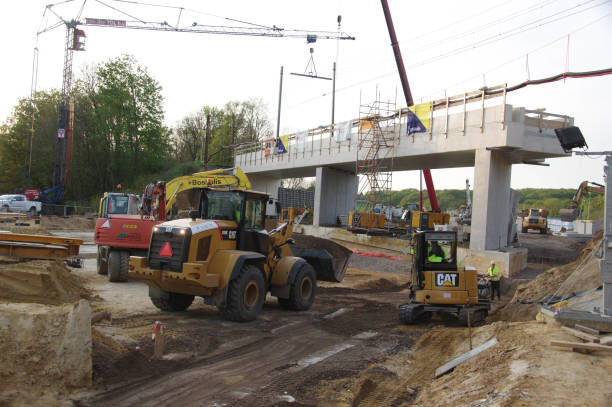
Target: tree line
(119, 134)
(592, 206)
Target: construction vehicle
(223, 254)
(424, 220)
(125, 221)
(364, 222)
(572, 212)
(442, 286)
(535, 219)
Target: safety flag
(283, 145)
(417, 120)
(343, 130)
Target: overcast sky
(199, 69)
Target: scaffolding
(378, 125)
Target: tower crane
(75, 41)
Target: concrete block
(44, 348)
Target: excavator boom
(231, 177)
(571, 213)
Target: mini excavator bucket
(329, 259)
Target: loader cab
(118, 204)
(246, 208)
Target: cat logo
(447, 280)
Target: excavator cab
(439, 285)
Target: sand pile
(71, 223)
(45, 332)
(579, 275)
(522, 369)
(40, 281)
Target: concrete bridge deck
(490, 139)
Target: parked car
(19, 203)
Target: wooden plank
(18, 237)
(582, 335)
(457, 361)
(586, 329)
(606, 341)
(580, 345)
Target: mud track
(274, 360)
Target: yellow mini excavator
(439, 285)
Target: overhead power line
(474, 30)
(443, 56)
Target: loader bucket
(569, 214)
(328, 258)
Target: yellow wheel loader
(439, 285)
(223, 254)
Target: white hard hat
(492, 261)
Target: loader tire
(245, 296)
(101, 264)
(173, 302)
(303, 290)
(118, 266)
(543, 231)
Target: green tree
(126, 116)
(15, 136)
(235, 123)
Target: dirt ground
(347, 350)
(551, 249)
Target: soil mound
(579, 275)
(71, 223)
(40, 281)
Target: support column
(606, 263)
(334, 195)
(265, 183)
(491, 209)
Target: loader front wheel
(303, 290)
(173, 302)
(118, 266)
(245, 296)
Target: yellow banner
(419, 120)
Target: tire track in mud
(257, 373)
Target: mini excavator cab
(438, 284)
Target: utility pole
(605, 264)
(207, 141)
(280, 96)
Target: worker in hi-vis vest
(435, 253)
(494, 277)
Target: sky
(449, 47)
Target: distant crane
(75, 41)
